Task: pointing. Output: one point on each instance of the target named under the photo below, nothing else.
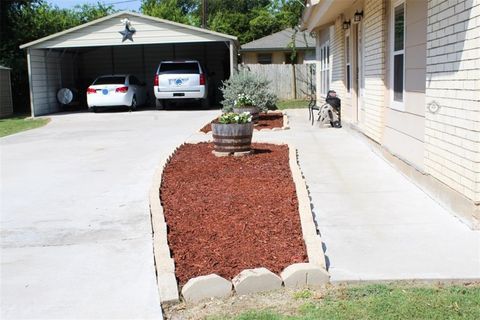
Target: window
(398, 52)
(288, 58)
(179, 67)
(134, 81)
(264, 58)
(324, 65)
(110, 80)
(348, 66)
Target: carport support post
(29, 65)
(232, 52)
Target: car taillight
(155, 81)
(91, 90)
(202, 79)
(122, 89)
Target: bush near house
(250, 84)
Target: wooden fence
(287, 81)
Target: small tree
(247, 83)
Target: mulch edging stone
(295, 275)
(270, 121)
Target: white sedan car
(116, 90)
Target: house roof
(280, 41)
(120, 13)
(4, 68)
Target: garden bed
(228, 214)
(269, 120)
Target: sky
(117, 4)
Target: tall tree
(246, 19)
(183, 11)
(28, 20)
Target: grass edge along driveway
(380, 301)
(17, 124)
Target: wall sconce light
(346, 25)
(358, 16)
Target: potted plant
(232, 134)
(245, 103)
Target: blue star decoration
(127, 33)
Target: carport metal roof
(105, 32)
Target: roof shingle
(280, 41)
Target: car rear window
(110, 80)
(187, 67)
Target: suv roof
(180, 61)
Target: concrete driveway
(75, 224)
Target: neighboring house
(277, 48)
(408, 74)
(6, 103)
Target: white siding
(337, 52)
(106, 33)
(374, 68)
(45, 81)
(405, 129)
(6, 104)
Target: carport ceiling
(58, 60)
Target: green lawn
(292, 104)
(380, 302)
(19, 123)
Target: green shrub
(245, 83)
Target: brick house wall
(452, 134)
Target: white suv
(185, 79)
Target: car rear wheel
(159, 104)
(205, 103)
(133, 106)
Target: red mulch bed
(265, 121)
(228, 214)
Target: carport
(75, 57)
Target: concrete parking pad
(374, 222)
(75, 223)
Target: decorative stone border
(248, 281)
(286, 124)
(164, 264)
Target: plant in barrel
(246, 103)
(232, 133)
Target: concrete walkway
(76, 238)
(374, 222)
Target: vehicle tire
(133, 106)
(205, 103)
(159, 104)
(93, 109)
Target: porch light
(346, 25)
(358, 16)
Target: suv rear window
(110, 80)
(187, 67)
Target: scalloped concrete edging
(312, 239)
(297, 275)
(164, 264)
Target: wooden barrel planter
(254, 111)
(232, 138)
